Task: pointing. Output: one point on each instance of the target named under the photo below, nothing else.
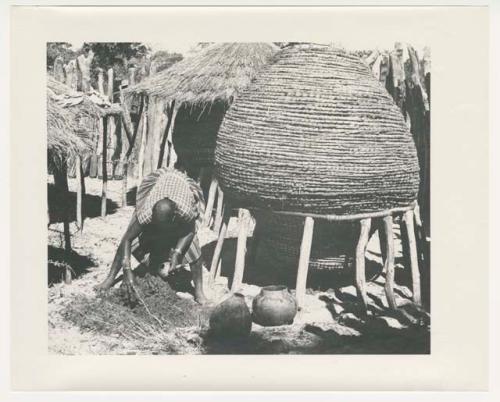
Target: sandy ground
(330, 321)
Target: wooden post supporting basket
(389, 262)
(215, 266)
(241, 249)
(210, 203)
(415, 272)
(303, 269)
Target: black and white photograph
(240, 198)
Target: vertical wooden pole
(415, 272)
(241, 248)
(218, 214)
(61, 182)
(360, 262)
(144, 135)
(79, 196)
(214, 266)
(170, 117)
(110, 84)
(104, 166)
(171, 155)
(100, 81)
(210, 202)
(124, 183)
(389, 262)
(303, 269)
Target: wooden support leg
(305, 253)
(389, 262)
(360, 262)
(214, 266)
(218, 214)
(210, 202)
(415, 273)
(79, 196)
(241, 249)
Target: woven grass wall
(316, 132)
(333, 245)
(195, 133)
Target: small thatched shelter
(197, 90)
(73, 124)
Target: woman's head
(163, 214)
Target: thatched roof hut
(64, 139)
(202, 86)
(216, 73)
(73, 120)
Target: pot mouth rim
(274, 288)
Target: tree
(116, 55)
(55, 49)
(163, 59)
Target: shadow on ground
(60, 204)
(58, 259)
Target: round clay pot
(231, 318)
(274, 305)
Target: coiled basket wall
(316, 133)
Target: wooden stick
(389, 262)
(61, 181)
(124, 182)
(354, 217)
(415, 273)
(218, 214)
(241, 249)
(136, 128)
(110, 84)
(165, 135)
(360, 262)
(79, 196)
(210, 203)
(172, 156)
(305, 253)
(144, 135)
(220, 242)
(104, 166)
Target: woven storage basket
(195, 133)
(316, 132)
(333, 244)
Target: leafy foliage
(55, 49)
(164, 59)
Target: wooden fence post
(104, 166)
(79, 191)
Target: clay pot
(274, 305)
(231, 318)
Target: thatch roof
(64, 137)
(91, 103)
(73, 120)
(317, 133)
(216, 73)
